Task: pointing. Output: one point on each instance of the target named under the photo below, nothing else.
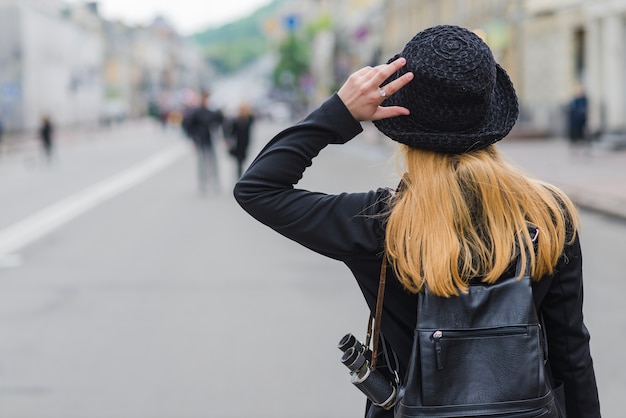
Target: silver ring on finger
(382, 92)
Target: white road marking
(22, 233)
(10, 261)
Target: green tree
(232, 46)
(293, 62)
(294, 59)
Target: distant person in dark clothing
(199, 124)
(46, 133)
(239, 132)
(577, 119)
(1, 133)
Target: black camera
(357, 357)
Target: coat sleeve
(568, 338)
(338, 226)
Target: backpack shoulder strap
(375, 333)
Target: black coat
(345, 227)
(45, 132)
(577, 118)
(239, 129)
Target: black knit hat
(460, 99)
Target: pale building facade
(568, 43)
(605, 71)
(66, 62)
(548, 47)
(49, 65)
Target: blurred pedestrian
(1, 135)
(200, 124)
(577, 121)
(459, 219)
(46, 135)
(238, 130)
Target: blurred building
(50, 64)
(576, 41)
(146, 66)
(547, 47)
(66, 61)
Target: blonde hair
(463, 216)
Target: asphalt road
(131, 295)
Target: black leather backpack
(481, 354)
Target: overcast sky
(187, 16)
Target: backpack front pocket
(480, 365)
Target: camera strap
(374, 332)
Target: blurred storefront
(148, 66)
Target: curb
(596, 202)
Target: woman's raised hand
(362, 94)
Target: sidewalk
(594, 181)
(24, 142)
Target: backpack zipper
(438, 335)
